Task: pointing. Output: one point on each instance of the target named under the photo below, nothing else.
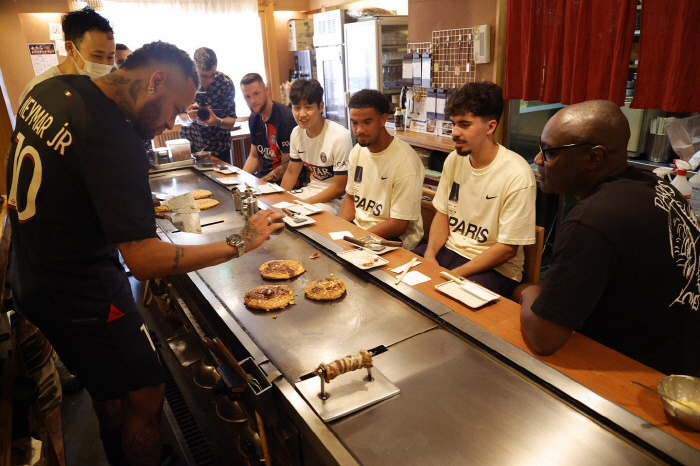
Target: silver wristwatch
(236, 241)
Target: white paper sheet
(269, 188)
(401, 268)
(336, 235)
(414, 277)
(282, 205)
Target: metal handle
(327, 372)
(352, 240)
(386, 242)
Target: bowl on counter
(685, 389)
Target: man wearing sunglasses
(624, 271)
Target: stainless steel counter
(467, 397)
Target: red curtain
(568, 51)
(668, 76)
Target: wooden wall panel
(425, 16)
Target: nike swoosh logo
(384, 177)
(492, 197)
(301, 152)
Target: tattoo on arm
(135, 88)
(179, 254)
(277, 173)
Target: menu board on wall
(43, 57)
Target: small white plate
(301, 210)
(293, 224)
(383, 251)
(229, 181)
(468, 293)
(359, 258)
(225, 171)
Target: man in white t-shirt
(320, 144)
(89, 44)
(385, 177)
(485, 201)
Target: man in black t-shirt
(271, 125)
(624, 271)
(78, 195)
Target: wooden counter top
(601, 369)
(427, 141)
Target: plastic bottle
(694, 183)
(681, 180)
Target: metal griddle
(308, 332)
(457, 404)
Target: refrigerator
(330, 62)
(374, 49)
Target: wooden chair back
(533, 257)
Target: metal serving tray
(460, 406)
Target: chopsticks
(452, 277)
(403, 274)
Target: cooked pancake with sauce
(281, 269)
(268, 297)
(325, 289)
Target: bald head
(595, 121)
(585, 144)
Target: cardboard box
(300, 34)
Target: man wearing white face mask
(89, 44)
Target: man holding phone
(208, 122)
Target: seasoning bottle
(237, 198)
(398, 118)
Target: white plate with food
(468, 293)
(363, 259)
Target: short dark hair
(483, 99)
(76, 23)
(205, 58)
(250, 78)
(309, 91)
(122, 47)
(162, 52)
(369, 98)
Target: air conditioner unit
(482, 44)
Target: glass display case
(374, 48)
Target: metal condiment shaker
(237, 199)
(249, 207)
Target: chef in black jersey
(78, 194)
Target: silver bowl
(685, 389)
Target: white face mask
(93, 70)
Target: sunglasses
(567, 146)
